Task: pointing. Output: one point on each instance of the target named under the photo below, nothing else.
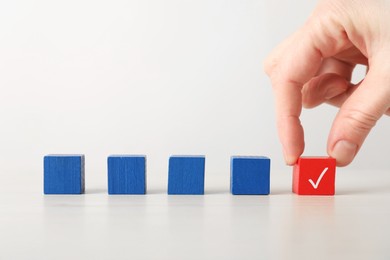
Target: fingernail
(289, 160)
(344, 152)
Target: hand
(315, 66)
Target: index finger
(289, 67)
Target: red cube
(314, 176)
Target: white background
(155, 78)
(150, 77)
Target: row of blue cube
(64, 174)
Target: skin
(315, 65)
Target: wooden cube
(314, 176)
(186, 175)
(126, 174)
(250, 175)
(64, 174)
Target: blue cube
(186, 175)
(63, 174)
(250, 175)
(126, 174)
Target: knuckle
(360, 121)
(284, 121)
(269, 65)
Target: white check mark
(315, 185)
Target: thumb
(358, 115)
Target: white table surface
(351, 225)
